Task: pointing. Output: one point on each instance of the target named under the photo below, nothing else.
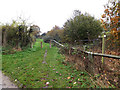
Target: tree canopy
(55, 33)
(111, 22)
(81, 27)
(18, 34)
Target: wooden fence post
(41, 44)
(50, 43)
(103, 46)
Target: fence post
(103, 46)
(41, 44)
(50, 43)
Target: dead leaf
(68, 77)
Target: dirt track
(5, 82)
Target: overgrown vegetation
(26, 69)
(111, 23)
(18, 35)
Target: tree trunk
(31, 45)
(4, 38)
(0, 37)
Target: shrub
(47, 39)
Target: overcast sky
(48, 13)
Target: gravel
(5, 82)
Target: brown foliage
(111, 22)
(104, 74)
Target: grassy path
(26, 69)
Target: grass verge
(26, 69)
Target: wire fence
(106, 73)
(96, 46)
(90, 45)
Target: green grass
(26, 69)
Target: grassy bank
(26, 69)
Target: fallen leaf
(74, 83)
(68, 77)
(56, 72)
(15, 79)
(47, 83)
(70, 81)
(73, 78)
(32, 68)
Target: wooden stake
(41, 44)
(103, 46)
(50, 43)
